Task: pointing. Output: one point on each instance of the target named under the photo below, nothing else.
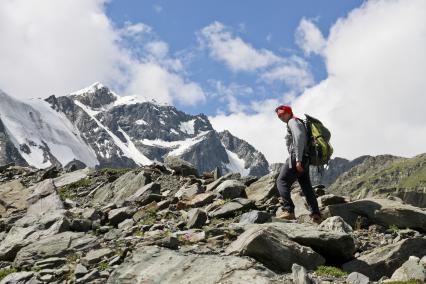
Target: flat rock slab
(380, 211)
(263, 189)
(71, 177)
(13, 197)
(383, 261)
(58, 245)
(334, 246)
(274, 249)
(156, 265)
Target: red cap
(281, 110)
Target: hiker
(296, 166)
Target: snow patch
(187, 126)
(236, 164)
(36, 121)
(129, 149)
(141, 122)
(179, 147)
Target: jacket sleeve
(299, 138)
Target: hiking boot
(287, 216)
(316, 218)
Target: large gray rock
(18, 278)
(147, 194)
(96, 256)
(274, 249)
(230, 189)
(263, 189)
(330, 199)
(335, 223)
(384, 260)
(71, 177)
(230, 208)
(357, 278)
(334, 246)
(45, 216)
(58, 245)
(13, 197)
(163, 266)
(380, 211)
(121, 189)
(412, 269)
(255, 217)
(180, 166)
(196, 218)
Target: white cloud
(373, 98)
(233, 51)
(309, 37)
(153, 81)
(55, 47)
(240, 56)
(158, 8)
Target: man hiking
(296, 167)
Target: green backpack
(320, 150)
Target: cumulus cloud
(373, 98)
(240, 56)
(55, 47)
(309, 38)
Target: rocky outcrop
(157, 265)
(380, 211)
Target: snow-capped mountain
(102, 129)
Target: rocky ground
(166, 224)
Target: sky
(356, 65)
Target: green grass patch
(103, 266)
(68, 191)
(114, 171)
(6, 271)
(148, 218)
(330, 271)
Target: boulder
(263, 189)
(118, 215)
(334, 246)
(189, 191)
(357, 278)
(380, 211)
(13, 198)
(196, 218)
(59, 245)
(335, 223)
(274, 249)
(180, 166)
(71, 177)
(163, 266)
(230, 208)
(200, 199)
(384, 260)
(255, 217)
(18, 278)
(121, 189)
(147, 194)
(45, 217)
(96, 256)
(213, 185)
(412, 269)
(230, 189)
(330, 199)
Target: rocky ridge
(163, 223)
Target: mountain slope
(103, 129)
(385, 175)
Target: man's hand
(299, 167)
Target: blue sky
(269, 25)
(346, 62)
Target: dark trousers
(288, 175)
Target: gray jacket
(296, 139)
